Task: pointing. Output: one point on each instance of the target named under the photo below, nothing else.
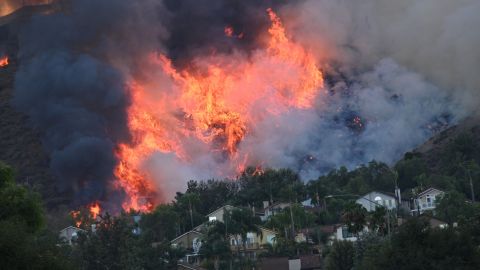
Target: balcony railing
(248, 246)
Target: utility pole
(471, 185)
(472, 192)
(291, 220)
(191, 212)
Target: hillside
(20, 145)
(432, 150)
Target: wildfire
(216, 103)
(4, 61)
(95, 210)
(76, 217)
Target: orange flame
(216, 103)
(76, 217)
(4, 61)
(95, 210)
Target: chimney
(398, 195)
(266, 204)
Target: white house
(374, 199)
(271, 210)
(343, 234)
(189, 240)
(69, 234)
(217, 215)
(426, 200)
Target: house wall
(69, 233)
(422, 202)
(294, 264)
(186, 241)
(339, 235)
(368, 200)
(254, 240)
(274, 209)
(218, 215)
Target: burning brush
(219, 102)
(3, 61)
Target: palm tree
(376, 220)
(354, 217)
(215, 245)
(187, 202)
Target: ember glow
(76, 218)
(94, 210)
(4, 61)
(215, 104)
(9, 6)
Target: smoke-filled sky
(395, 72)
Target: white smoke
(438, 39)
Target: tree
(268, 185)
(317, 191)
(215, 246)
(354, 217)
(470, 182)
(113, 245)
(417, 246)
(340, 256)
(281, 221)
(376, 220)
(18, 203)
(212, 194)
(453, 207)
(408, 168)
(161, 224)
(24, 243)
(186, 205)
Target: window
(212, 218)
(430, 200)
(346, 233)
(270, 239)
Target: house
(426, 200)
(189, 240)
(343, 234)
(271, 210)
(69, 234)
(255, 241)
(217, 215)
(192, 242)
(374, 199)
